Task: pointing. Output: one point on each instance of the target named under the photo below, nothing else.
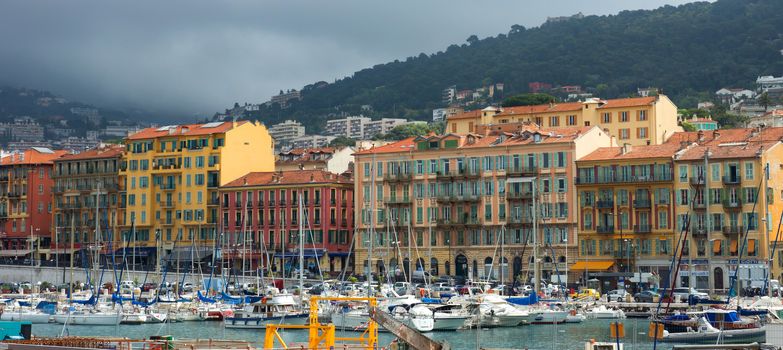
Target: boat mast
(373, 199)
(536, 272)
(97, 253)
(301, 245)
(70, 281)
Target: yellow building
(637, 120)
(727, 182)
(459, 204)
(712, 193)
(626, 214)
(171, 176)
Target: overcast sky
(197, 57)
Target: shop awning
(186, 254)
(733, 246)
(15, 252)
(751, 246)
(716, 246)
(137, 251)
(339, 254)
(592, 265)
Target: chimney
(700, 134)
(626, 148)
(715, 134)
(312, 177)
(612, 141)
(245, 181)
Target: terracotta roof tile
(297, 177)
(405, 145)
(665, 150)
(107, 151)
(628, 102)
(32, 156)
(186, 130)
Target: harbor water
(562, 336)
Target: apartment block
(452, 203)
(263, 214)
(287, 131)
(86, 199)
(637, 121)
(26, 201)
(171, 176)
(352, 127)
(333, 160)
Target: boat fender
(573, 312)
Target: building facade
(333, 160)
(451, 204)
(26, 201)
(86, 199)
(638, 121)
(171, 176)
(352, 127)
(287, 131)
(626, 215)
(263, 213)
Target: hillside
(688, 51)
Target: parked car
(646, 296)
(616, 295)
(684, 292)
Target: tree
(472, 39)
(688, 126)
(764, 100)
(528, 100)
(342, 141)
(407, 130)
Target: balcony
(344, 203)
(519, 220)
(168, 204)
(446, 222)
(656, 177)
(605, 204)
(398, 177)
(238, 204)
(470, 173)
(445, 175)
(731, 230)
(458, 198)
(260, 204)
(732, 204)
(697, 180)
(523, 195)
(521, 170)
(604, 229)
(168, 187)
(732, 180)
(700, 205)
(281, 203)
(642, 228)
(397, 201)
(699, 231)
(641, 203)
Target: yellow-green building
(171, 176)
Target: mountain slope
(688, 51)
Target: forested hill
(688, 51)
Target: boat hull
(26, 316)
(733, 336)
(449, 323)
(88, 319)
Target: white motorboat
(92, 318)
(32, 316)
(418, 317)
(133, 317)
(547, 316)
(279, 309)
(706, 333)
(602, 312)
(594, 345)
(156, 317)
(350, 319)
(496, 312)
(448, 317)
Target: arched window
(488, 268)
(561, 259)
(434, 266)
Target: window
(571, 120)
(641, 133)
(683, 172)
(561, 185)
(715, 172)
(561, 160)
(683, 197)
(588, 221)
(366, 169)
(625, 134)
(545, 160)
(606, 118)
(624, 116)
(554, 121)
(748, 170)
(663, 219)
(642, 116)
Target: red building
(538, 86)
(26, 200)
(260, 216)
